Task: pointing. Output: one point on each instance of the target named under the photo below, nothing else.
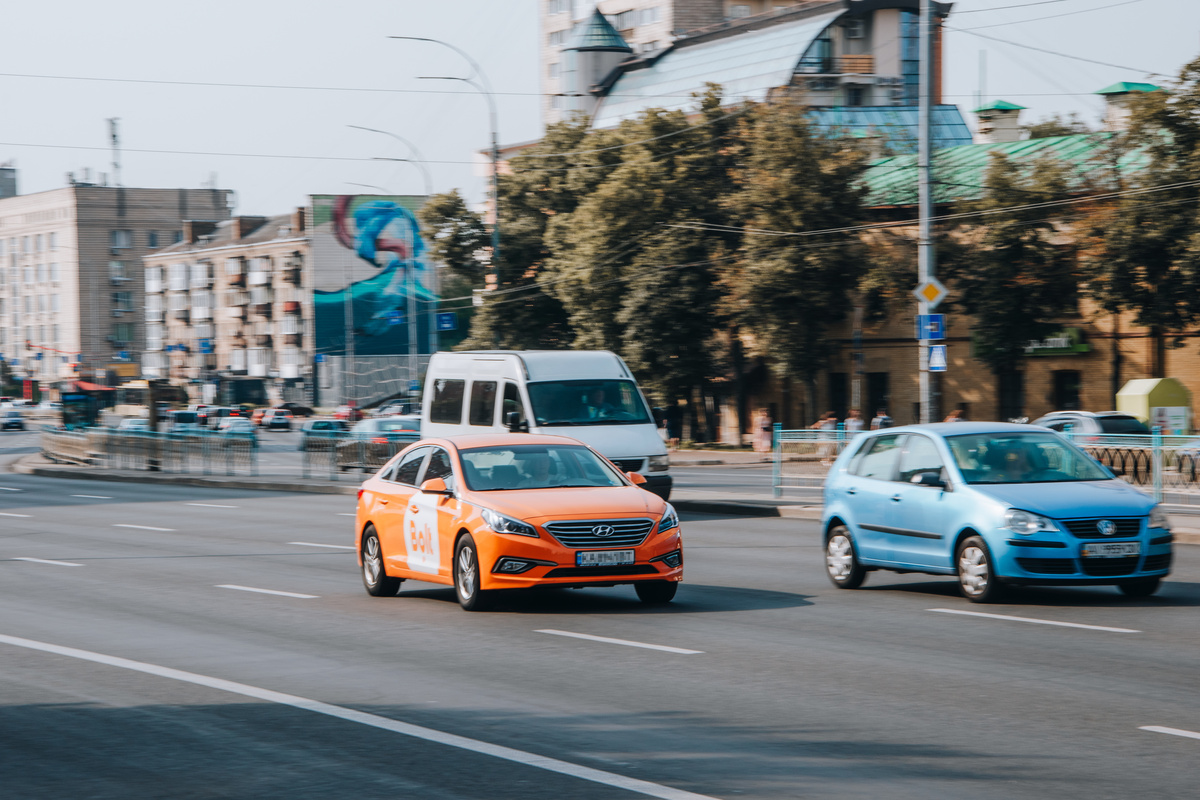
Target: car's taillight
(360, 491)
(379, 440)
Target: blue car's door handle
(895, 498)
(851, 490)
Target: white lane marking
(2, 514)
(1034, 621)
(1171, 731)
(145, 528)
(208, 505)
(266, 591)
(46, 561)
(334, 546)
(343, 514)
(383, 723)
(10, 489)
(93, 496)
(625, 642)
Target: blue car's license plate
(1111, 549)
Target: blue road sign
(414, 386)
(319, 358)
(937, 358)
(447, 321)
(931, 327)
(37, 357)
(206, 346)
(123, 355)
(394, 317)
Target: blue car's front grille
(1155, 563)
(1107, 567)
(1127, 528)
(1048, 566)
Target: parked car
(529, 511)
(276, 419)
(348, 413)
(11, 419)
(398, 408)
(371, 442)
(239, 427)
(297, 409)
(320, 434)
(180, 421)
(994, 504)
(133, 424)
(1096, 423)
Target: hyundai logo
(603, 530)
(1106, 527)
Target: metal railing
(330, 453)
(1156, 463)
(198, 452)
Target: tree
(1019, 274)
(1056, 125)
(456, 236)
(1150, 259)
(789, 289)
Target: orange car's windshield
(535, 466)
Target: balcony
(260, 279)
(843, 65)
(154, 287)
(238, 340)
(236, 312)
(292, 339)
(154, 315)
(182, 314)
(263, 309)
(201, 313)
(263, 340)
(238, 280)
(292, 276)
(291, 307)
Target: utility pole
(925, 264)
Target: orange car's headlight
(669, 521)
(502, 524)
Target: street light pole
(925, 262)
(417, 159)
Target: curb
(253, 484)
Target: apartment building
(228, 310)
(71, 272)
(648, 26)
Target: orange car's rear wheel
(375, 577)
(466, 576)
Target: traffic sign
(447, 321)
(319, 358)
(937, 358)
(931, 326)
(932, 292)
(394, 317)
(414, 386)
(123, 355)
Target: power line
(1052, 16)
(1052, 52)
(1002, 8)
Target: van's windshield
(590, 402)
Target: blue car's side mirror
(929, 479)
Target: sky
(275, 146)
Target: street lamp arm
(475, 69)
(418, 159)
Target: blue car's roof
(957, 428)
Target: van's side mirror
(636, 478)
(514, 423)
(435, 486)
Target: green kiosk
(1164, 402)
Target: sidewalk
(1185, 522)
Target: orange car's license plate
(603, 558)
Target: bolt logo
(421, 535)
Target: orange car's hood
(598, 502)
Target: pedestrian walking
(827, 425)
(955, 416)
(854, 421)
(674, 418)
(763, 432)
(881, 420)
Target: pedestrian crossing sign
(937, 358)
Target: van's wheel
(466, 576)
(656, 592)
(1142, 587)
(976, 572)
(375, 577)
(841, 560)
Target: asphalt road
(129, 667)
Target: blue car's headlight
(502, 524)
(1026, 522)
(1159, 519)
(669, 520)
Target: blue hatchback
(993, 503)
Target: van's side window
(447, 401)
(483, 403)
(512, 402)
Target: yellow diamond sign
(932, 292)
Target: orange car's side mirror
(435, 486)
(636, 477)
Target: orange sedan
(489, 512)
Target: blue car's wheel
(1142, 587)
(976, 575)
(841, 560)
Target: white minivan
(589, 395)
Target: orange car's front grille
(589, 533)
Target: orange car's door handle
(413, 509)
(382, 502)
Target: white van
(589, 395)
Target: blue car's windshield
(1022, 458)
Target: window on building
(176, 237)
(54, 303)
(27, 274)
(54, 333)
(557, 38)
(41, 273)
(856, 96)
(53, 241)
(1012, 395)
(153, 277)
(626, 19)
(910, 56)
(151, 239)
(41, 304)
(54, 272)
(556, 102)
(553, 71)
(116, 271)
(839, 393)
(739, 11)
(177, 302)
(558, 6)
(122, 333)
(1067, 383)
(25, 245)
(651, 15)
(154, 333)
(122, 301)
(39, 243)
(289, 325)
(28, 304)
(237, 359)
(855, 27)
(202, 273)
(178, 274)
(120, 239)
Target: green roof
(999, 105)
(959, 172)
(597, 34)
(1121, 87)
